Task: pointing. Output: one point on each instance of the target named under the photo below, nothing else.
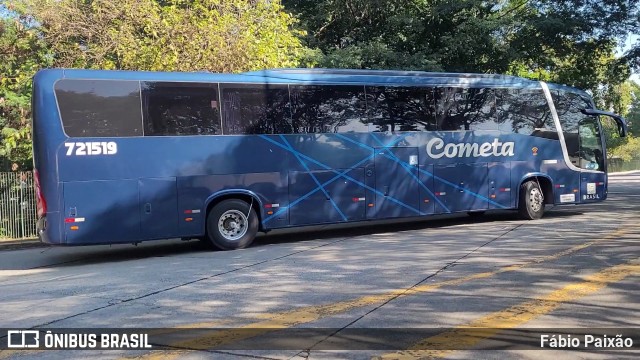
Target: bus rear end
(47, 137)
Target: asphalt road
(578, 267)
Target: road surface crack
(407, 290)
(110, 304)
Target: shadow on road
(51, 257)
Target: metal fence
(17, 205)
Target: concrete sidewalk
(13, 244)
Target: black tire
(531, 201)
(229, 227)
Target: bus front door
(591, 161)
(397, 183)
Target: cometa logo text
(437, 149)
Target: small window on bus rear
(256, 109)
(99, 108)
(174, 108)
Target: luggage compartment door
(158, 208)
(101, 212)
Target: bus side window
(460, 109)
(393, 109)
(172, 108)
(526, 112)
(99, 108)
(255, 109)
(328, 109)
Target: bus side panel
(463, 187)
(500, 185)
(592, 187)
(193, 192)
(158, 208)
(397, 182)
(103, 212)
(427, 191)
(337, 201)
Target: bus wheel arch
(232, 220)
(534, 193)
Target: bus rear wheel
(531, 202)
(232, 224)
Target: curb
(6, 245)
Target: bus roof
(312, 76)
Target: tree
(627, 151)
(633, 114)
(171, 35)
(566, 41)
(23, 53)
(176, 35)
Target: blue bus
(125, 157)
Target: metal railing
(17, 205)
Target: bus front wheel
(531, 202)
(232, 224)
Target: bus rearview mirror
(622, 124)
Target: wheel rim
(233, 225)
(535, 199)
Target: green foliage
(173, 35)
(566, 41)
(628, 150)
(625, 100)
(23, 52)
(633, 114)
(176, 35)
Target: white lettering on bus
(91, 148)
(437, 149)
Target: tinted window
(466, 109)
(401, 108)
(582, 141)
(99, 108)
(319, 109)
(525, 111)
(180, 108)
(591, 155)
(569, 107)
(256, 109)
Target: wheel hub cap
(536, 199)
(232, 225)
